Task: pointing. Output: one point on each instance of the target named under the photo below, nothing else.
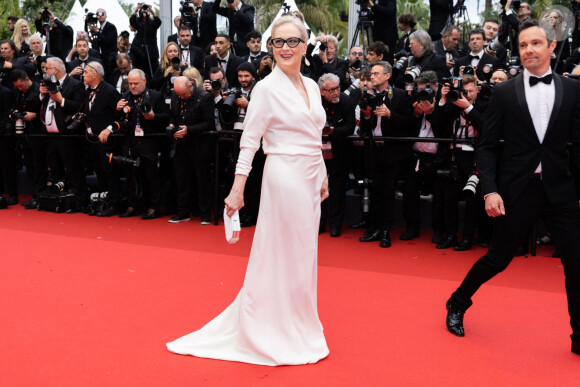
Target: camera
(51, 83)
(323, 46)
(426, 94)
(370, 99)
(362, 3)
(495, 44)
(216, 84)
(76, 122)
(516, 4)
(18, 118)
(45, 18)
(186, 10)
(98, 203)
(451, 173)
(144, 12)
(468, 70)
(355, 65)
(402, 54)
(90, 19)
(412, 74)
(229, 105)
(486, 89)
(456, 85)
(176, 63)
(487, 70)
(123, 160)
(55, 187)
(471, 186)
(401, 64)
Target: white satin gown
(274, 319)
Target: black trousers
(384, 175)
(34, 152)
(192, 175)
(333, 208)
(108, 174)
(509, 231)
(8, 179)
(143, 182)
(65, 151)
(414, 180)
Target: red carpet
(92, 302)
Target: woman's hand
(235, 200)
(324, 189)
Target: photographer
(145, 112)
(204, 23)
(227, 61)
(376, 52)
(340, 123)
(171, 67)
(192, 114)
(491, 29)
(26, 111)
(477, 59)
(8, 180)
(384, 23)
(104, 38)
(458, 115)
(326, 61)
(77, 66)
(214, 85)
(241, 22)
(101, 109)
(355, 63)
(406, 24)
(447, 46)
(146, 23)
(389, 118)
(423, 57)
(510, 23)
(9, 61)
(190, 54)
(420, 171)
(266, 63)
(60, 101)
(59, 37)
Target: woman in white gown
(274, 319)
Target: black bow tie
(474, 57)
(222, 60)
(185, 49)
(547, 80)
(449, 52)
(254, 57)
(84, 61)
(197, 8)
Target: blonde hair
(193, 75)
(17, 36)
(289, 19)
(165, 62)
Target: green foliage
(31, 9)
(418, 8)
(9, 8)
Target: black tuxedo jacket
(30, 102)
(70, 66)
(73, 92)
(508, 172)
(440, 49)
(159, 107)
(106, 42)
(385, 24)
(103, 111)
(338, 67)
(398, 125)
(485, 59)
(341, 116)
(257, 59)
(231, 70)
(195, 57)
(403, 42)
(198, 116)
(114, 77)
(22, 63)
(60, 39)
(241, 24)
(207, 26)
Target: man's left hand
(150, 115)
(382, 111)
(462, 102)
(104, 135)
(29, 116)
(242, 102)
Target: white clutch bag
(232, 226)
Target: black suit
(528, 196)
(114, 80)
(70, 66)
(485, 59)
(106, 41)
(439, 49)
(241, 24)
(146, 41)
(440, 11)
(207, 26)
(195, 57)
(403, 42)
(385, 24)
(387, 157)
(338, 67)
(231, 70)
(8, 180)
(22, 63)
(194, 152)
(60, 39)
(66, 151)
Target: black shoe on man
(454, 319)
(410, 233)
(448, 242)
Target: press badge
(138, 131)
(89, 131)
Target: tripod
(363, 27)
(460, 18)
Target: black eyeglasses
(357, 54)
(291, 42)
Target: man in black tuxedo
(326, 61)
(120, 74)
(146, 23)
(336, 151)
(385, 24)
(192, 114)
(60, 37)
(56, 111)
(477, 57)
(406, 24)
(440, 11)
(491, 28)
(104, 38)
(389, 119)
(77, 66)
(148, 114)
(241, 22)
(101, 111)
(254, 43)
(190, 54)
(447, 46)
(9, 60)
(225, 60)
(530, 178)
(204, 28)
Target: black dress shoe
(150, 214)
(373, 237)
(361, 224)
(448, 242)
(129, 213)
(437, 237)
(25, 203)
(335, 232)
(454, 319)
(408, 234)
(385, 239)
(107, 213)
(464, 245)
(32, 205)
(576, 347)
(12, 200)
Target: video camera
(370, 98)
(516, 4)
(51, 83)
(45, 18)
(187, 13)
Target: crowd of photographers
(141, 117)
